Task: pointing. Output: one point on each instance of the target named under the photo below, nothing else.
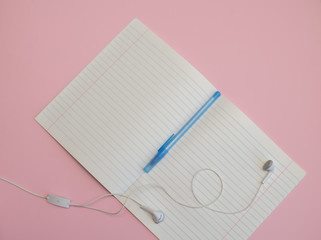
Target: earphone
(157, 215)
(268, 166)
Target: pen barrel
(194, 119)
(174, 138)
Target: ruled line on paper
(93, 83)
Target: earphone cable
(22, 188)
(128, 197)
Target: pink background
(265, 56)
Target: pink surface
(265, 56)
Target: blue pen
(175, 137)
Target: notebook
(114, 116)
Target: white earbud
(268, 166)
(157, 216)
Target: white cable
(85, 205)
(81, 205)
(201, 205)
(35, 194)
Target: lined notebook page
(226, 141)
(115, 115)
(124, 105)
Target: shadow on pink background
(265, 56)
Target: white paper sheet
(123, 106)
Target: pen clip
(166, 143)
